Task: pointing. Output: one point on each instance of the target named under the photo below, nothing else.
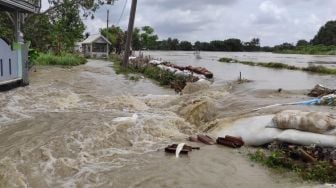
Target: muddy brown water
(88, 127)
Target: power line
(122, 13)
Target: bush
(64, 59)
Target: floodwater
(264, 78)
(88, 127)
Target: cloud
(273, 21)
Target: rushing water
(88, 127)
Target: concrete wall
(9, 65)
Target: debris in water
(319, 91)
(206, 139)
(230, 141)
(179, 149)
(193, 139)
(185, 149)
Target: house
(14, 57)
(96, 46)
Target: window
(99, 47)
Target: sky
(272, 21)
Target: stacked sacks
(295, 127)
(315, 122)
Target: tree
(326, 35)
(148, 38)
(67, 26)
(284, 46)
(6, 28)
(88, 7)
(253, 45)
(234, 45)
(197, 45)
(37, 30)
(136, 42)
(302, 42)
(116, 36)
(185, 45)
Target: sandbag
(315, 122)
(306, 138)
(252, 130)
(257, 131)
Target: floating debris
(319, 91)
(206, 139)
(230, 141)
(185, 149)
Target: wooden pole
(107, 20)
(129, 33)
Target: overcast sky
(273, 21)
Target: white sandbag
(306, 138)
(155, 62)
(252, 130)
(315, 122)
(256, 131)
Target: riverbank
(312, 69)
(310, 49)
(165, 73)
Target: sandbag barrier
(182, 74)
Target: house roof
(93, 38)
(28, 6)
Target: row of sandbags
(296, 127)
(199, 72)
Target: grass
(311, 49)
(313, 69)
(64, 59)
(164, 78)
(321, 171)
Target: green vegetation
(321, 171)
(314, 69)
(64, 59)
(164, 78)
(324, 43)
(310, 49)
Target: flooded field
(264, 78)
(88, 127)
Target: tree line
(145, 39)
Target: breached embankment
(88, 127)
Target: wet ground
(88, 127)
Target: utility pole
(129, 33)
(107, 20)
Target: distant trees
(148, 38)
(185, 46)
(302, 42)
(231, 45)
(326, 35)
(284, 46)
(116, 36)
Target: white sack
(315, 122)
(256, 131)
